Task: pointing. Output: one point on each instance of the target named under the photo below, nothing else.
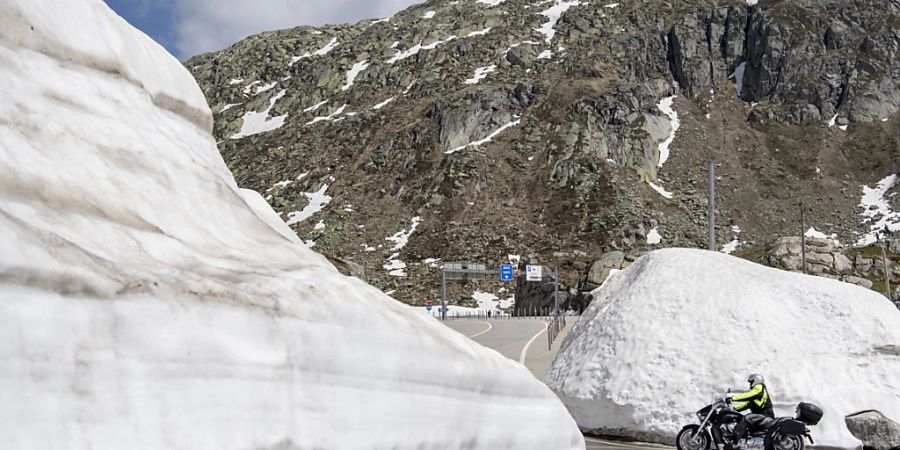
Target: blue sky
(152, 17)
(190, 27)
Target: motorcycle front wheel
(786, 442)
(687, 440)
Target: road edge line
(525, 349)
(485, 331)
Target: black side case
(808, 413)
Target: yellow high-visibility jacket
(756, 399)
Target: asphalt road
(594, 443)
(525, 341)
(522, 340)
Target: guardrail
(553, 328)
(530, 313)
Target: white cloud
(202, 25)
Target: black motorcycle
(718, 420)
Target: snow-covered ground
(490, 302)
(678, 327)
(148, 302)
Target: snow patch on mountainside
(394, 265)
(401, 238)
(487, 139)
(684, 325)
(666, 106)
(331, 45)
(383, 104)
(877, 213)
(259, 122)
(400, 55)
(661, 190)
(331, 117)
(316, 106)
(317, 201)
(735, 242)
(479, 32)
(548, 29)
(481, 73)
(353, 73)
(738, 76)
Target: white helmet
(755, 379)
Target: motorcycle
(718, 420)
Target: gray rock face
(755, 88)
(601, 268)
(476, 115)
(874, 430)
(808, 73)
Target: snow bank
(148, 302)
(677, 327)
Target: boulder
(842, 263)
(874, 430)
(601, 268)
(824, 259)
(859, 282)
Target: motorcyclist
(757, 400)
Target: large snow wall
(148, 302)
(678, 327)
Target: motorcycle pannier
(808, 413)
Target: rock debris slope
(549, 127)
(148, 302)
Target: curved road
(525, 341)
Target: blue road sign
(428, 307)
(506, 272)
(444, 309)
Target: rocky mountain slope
(472, 130)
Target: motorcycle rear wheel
(684, 439)
(786, 442)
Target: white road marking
(525, 349)
(485, 331)
(621, 444)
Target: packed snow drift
(148, 302)
(678, 327)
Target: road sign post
(533, 273)
(506, 272)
